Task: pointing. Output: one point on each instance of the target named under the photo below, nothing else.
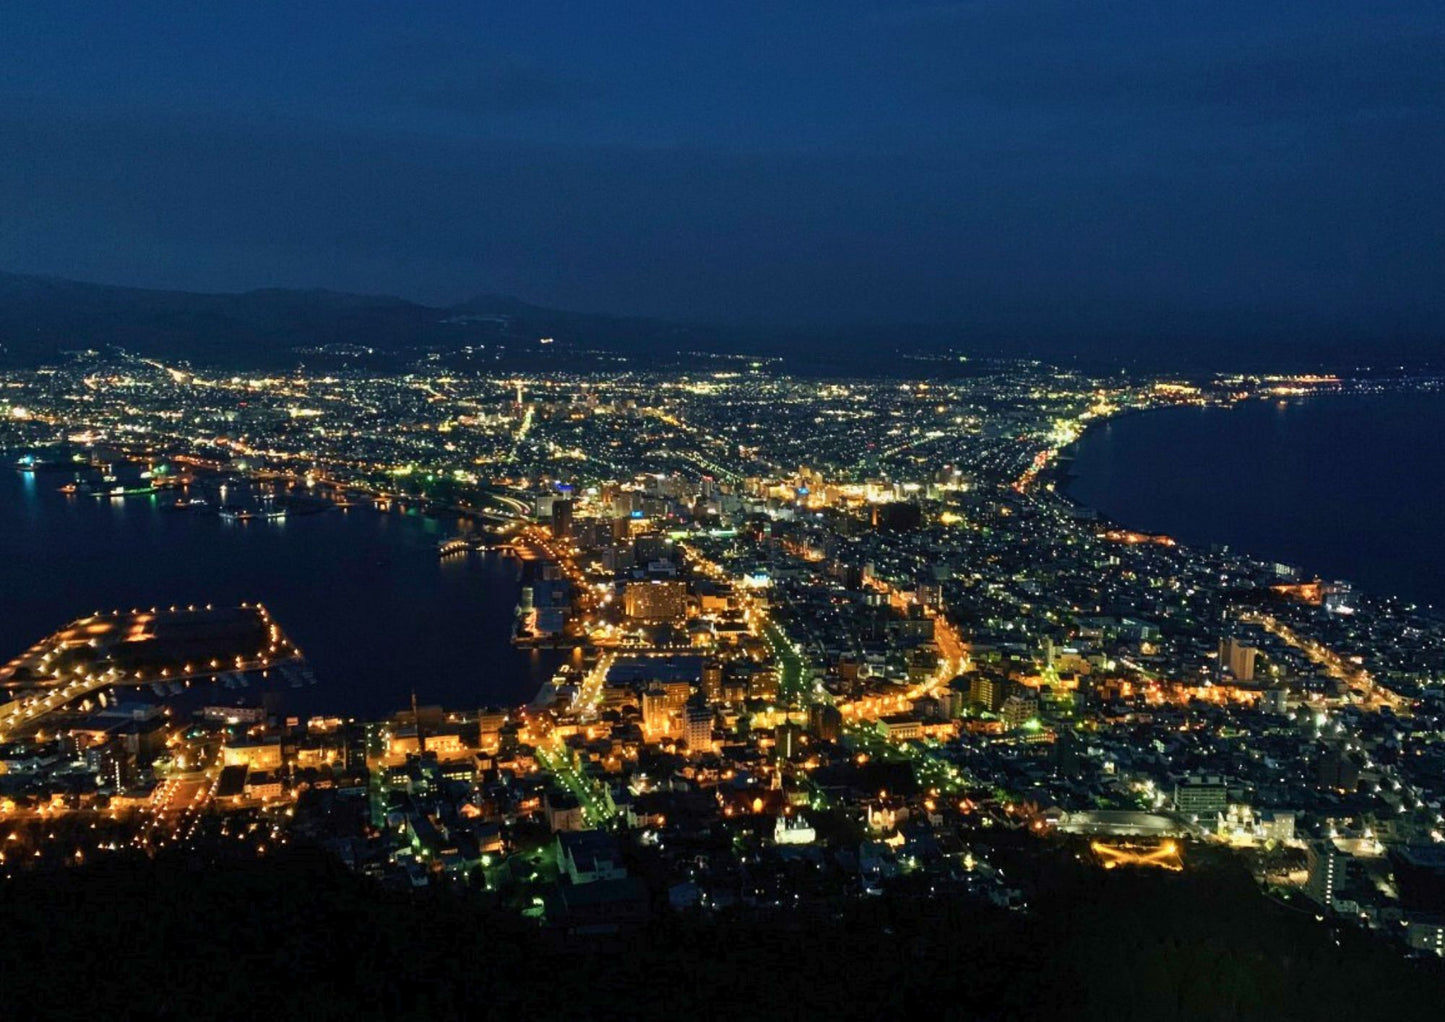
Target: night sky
(1081, 168)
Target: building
(564, 813)
(561, 519)
(656, 711)
(900, 727)
(261, 754)
(825, 721)
(588, 856)
(1328, 871)
(1017, 710)
(655, 600)
(788, 739)
(1241, 824)
(697, 728)
(987, 690)
(793, 830)
(1201, 796)
(763, 685)
(1425, 933)
(1238, 657)
(712, 681)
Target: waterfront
(363, 594)
(1346, 487)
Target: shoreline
(1061, 475)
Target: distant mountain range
(43, 317)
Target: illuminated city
(749, 511)
(847, 623)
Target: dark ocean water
(1346, 487)
(363, 594)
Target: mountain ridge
(270, 328)
(43, 316)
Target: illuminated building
(712, 681)
(655, 600)
(900, 727)
(489, 727)
(763, 685)
(987, 690)
(1238, 657)
(825, 721)
(263, 785)
(1017, 710)
(793, 830)
(697, 721)
(443, 744)
(589, 856)
(258, 755)
(1201, 796)
(1328, 871)
(1242, 825)
(657, 710)
(1339, 598)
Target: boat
(117, 491)
(245, 514)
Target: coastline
(1064, 477)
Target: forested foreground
(298, 937)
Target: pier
(139, 648)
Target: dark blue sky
(1082, 167)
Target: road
(596, 810)
(1334, 664)
(934, 773)
(793, 689)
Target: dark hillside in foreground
(296, 937)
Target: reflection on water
(363, 594)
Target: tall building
(561, 519)
(826, 721)
(697, 728)
(1328, 871)
(712, 678)
(1339, 598)
(1017, 710)
(656, 711)
(988, 690)
(1238, 657)
(789, 738)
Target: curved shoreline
(1064, 479)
